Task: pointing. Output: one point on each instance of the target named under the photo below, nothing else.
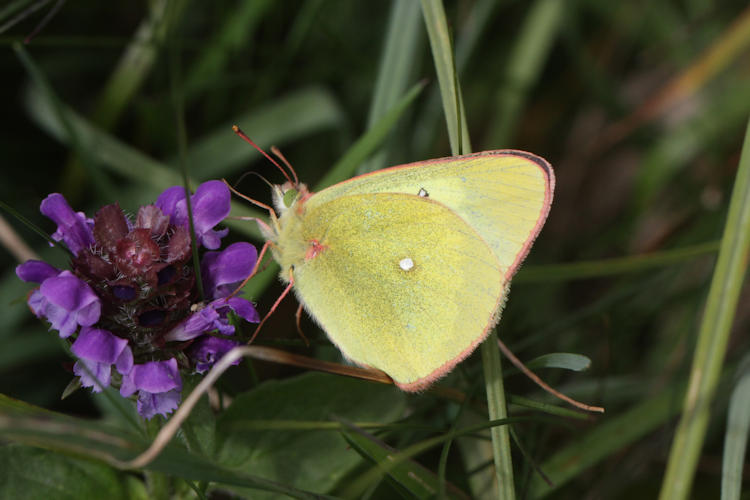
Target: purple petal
(124, 362)
(72, 228)
(97, 351)
(211, 205)
(159, 386)
(195, 325)
(60, 319)
(168, 200)
(242, 307)
(213, 316)
(36, 271)
(208, 350)
(156, 376)
(93, 374)
(66, 302)
(224, 271)
(163, 403)
(98, 345)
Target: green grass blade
(612, 435)
(297, 114)
(467, 39)
(57, 112)
(525, 65)
(415, 479)
(497, 409)
(442, 53)
(712, 337)
(365, 480)
(618, 265)
(365, 145)
(735, 439)
(12, 8)
(396, 67)
(136, 62)
(236, 32)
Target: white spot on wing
(423, 193)
(406, 264)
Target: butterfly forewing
(504, 195)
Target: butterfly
(408, 268)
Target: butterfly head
(288, 195)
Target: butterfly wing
(399, 283)
(504, 195)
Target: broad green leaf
(304, 458)
(27, 472)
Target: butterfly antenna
(242, 178)
(277, 152)
(538, 381)
(248, 199)
(237, 130)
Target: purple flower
(158, 384)
(132, 288)
(63, 299)
(213, 316)
(72, 228)
(208, 350)
(97, 350)
(210, 204)
(224, 271)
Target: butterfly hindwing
(399, 282)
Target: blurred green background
(640, 107)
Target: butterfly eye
(290, 196)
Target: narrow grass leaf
(525, 64)
(418, 481)
(612, 435)
(298, 114)
(614, 266)
(442, 53)
(367, 143)
(735, 438)
(396, 67)
(712, 337)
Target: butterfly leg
(254, 271)
(299, 325)
(274, 306)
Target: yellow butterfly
(408, 268)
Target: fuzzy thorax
(290, 244)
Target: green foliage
(641, 107)
(304, 454)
